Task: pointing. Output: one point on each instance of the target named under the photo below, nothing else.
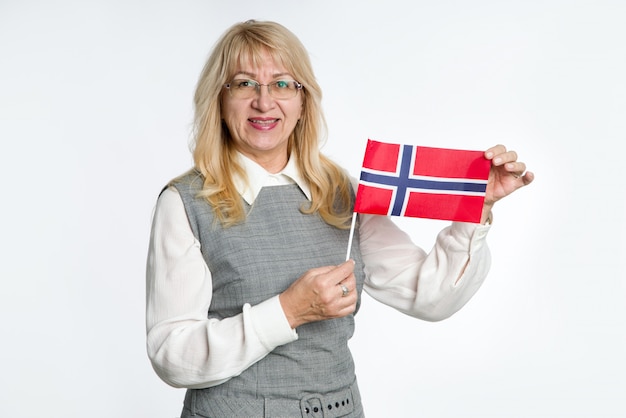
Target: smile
(263, 123)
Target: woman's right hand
(318, 295)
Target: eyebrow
(253, 75)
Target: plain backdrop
(95, 113)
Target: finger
(516, 168)
(504, 158)
(345, 291)
(528, 178)
(495, 150)
(340, 272)
(349, 283)
(348, 309)
(346, 304)
(319, 271)
(348, 263)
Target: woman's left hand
(506, 175)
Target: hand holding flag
(436, 183)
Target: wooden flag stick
(351, 235)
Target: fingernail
(497, 160)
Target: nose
(263, 100)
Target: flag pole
(351, 235)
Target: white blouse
(189, 350)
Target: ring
(344, 290)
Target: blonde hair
(213, 151)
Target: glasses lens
(284, 89)
(242, 89)
(247, 89)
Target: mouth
(263, 123)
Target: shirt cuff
(474, 234)
(271, 324)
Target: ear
(301, 107)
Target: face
(260, 126)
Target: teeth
(263, 121)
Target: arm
(185, 347)
(433, 286)
(430, 286)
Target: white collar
(258, 178)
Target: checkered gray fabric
(256, 260)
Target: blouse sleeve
(431, 286)
(185, 347)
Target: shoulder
(188, 183)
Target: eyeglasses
(247, 89)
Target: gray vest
(258, 259)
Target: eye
(282, 84)
(244, 84)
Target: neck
(272, 164)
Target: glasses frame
(257, 88)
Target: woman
(249, 303)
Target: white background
(95, 111)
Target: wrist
(285, 305)
(487, 216)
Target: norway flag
(422, 182)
